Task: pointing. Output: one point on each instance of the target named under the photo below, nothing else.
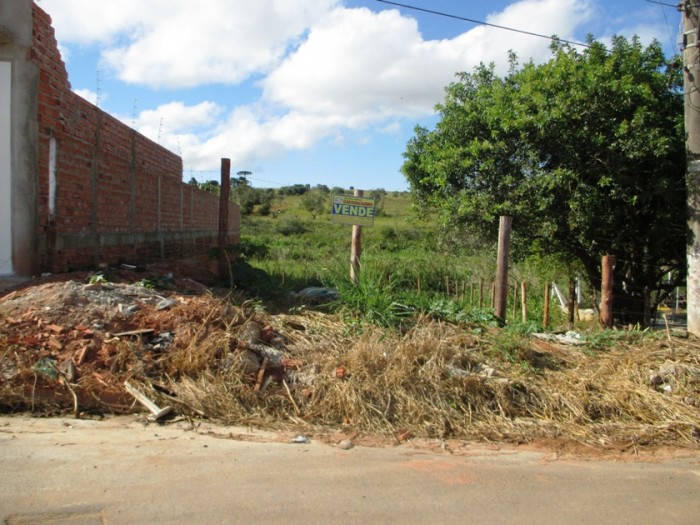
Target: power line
(268, 181)
(668, 26)
(663, 3)
(473, 21)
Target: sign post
(358, 211)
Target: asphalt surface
(120, 470)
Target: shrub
(291, 226)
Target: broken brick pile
(74, 343)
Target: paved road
(62, 471)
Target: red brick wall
(119, 196)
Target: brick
(75, 123)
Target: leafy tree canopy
(586, 152)
(315, 202)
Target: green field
(409, 266)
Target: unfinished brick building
(77, 186)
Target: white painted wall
(5, 169)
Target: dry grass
(642, 390)
(397, 382)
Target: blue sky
(308, 91)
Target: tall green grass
(408, 268)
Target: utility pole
(691, 55)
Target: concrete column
(6, 267)
(20, 184)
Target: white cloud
(543, 17)
(325, 70)
(90, 21)
(89, 95)
(365, 66)
(361, 66)
(179, 117)
(246, 137)
(182, 43)
(175, 125)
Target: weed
(147, 283)
(97, 278)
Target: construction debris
(88, 344)
(156, 413)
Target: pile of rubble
(81, 341)
(127, 340)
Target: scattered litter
(453, 371)
(127, 311)
(47, 367)
(569, 338)
(162, 341)
(156, 412)
(300, 439)
(306, 376)
(478, 370)
(68, 370)
(273, 355)
(317, 295)
(142, 331)
(166, 303)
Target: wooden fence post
(356, 246)
(501, 289)
(606, 302)
(572, 302)
(523, 300)
(545, 320)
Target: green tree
(379, 195)
(314, 202)
(586, 152)
(211, 186)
